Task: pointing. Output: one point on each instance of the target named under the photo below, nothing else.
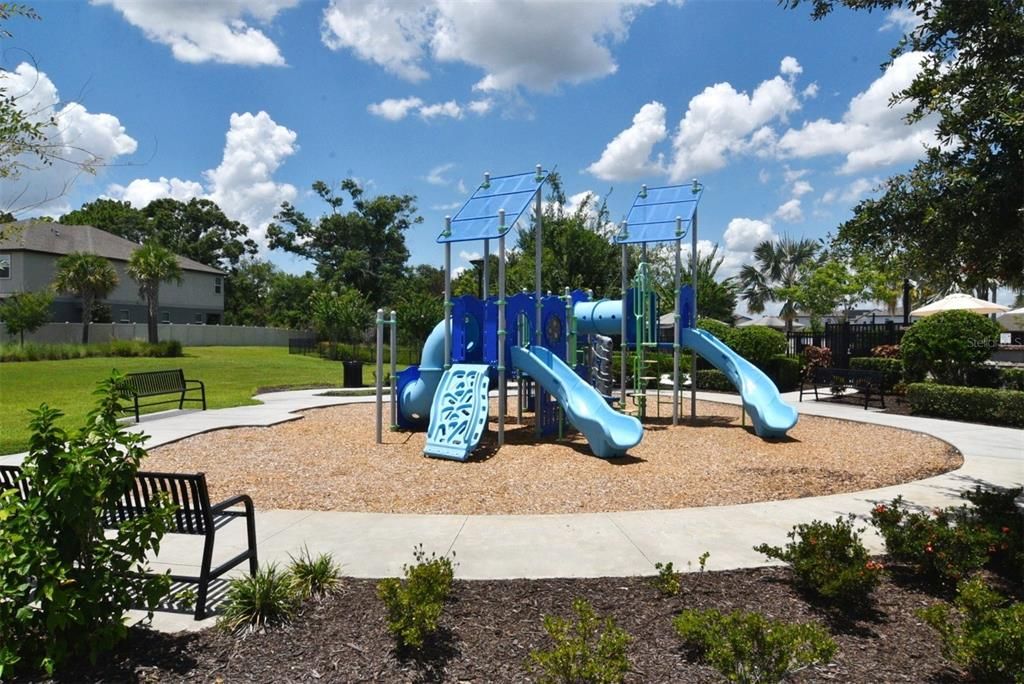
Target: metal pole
(538, 236)
(394, 370)
(625, 313)
(380, 374)
(693, 283)
(675, 334)
(447, 295)
(502, 331)
(487, 278)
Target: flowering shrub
(886, 351)
(816, 357)
(830, 560)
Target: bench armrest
(244, 499)
(197, 382)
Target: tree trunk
(86, 318)
(154, 333)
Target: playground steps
(458, 415)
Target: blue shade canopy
(652, 218)
(478, 218)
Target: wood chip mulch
(489, 629)
(328, 460)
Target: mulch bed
(490, 627)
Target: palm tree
(779, 266)
(149, 266)
(88, 276)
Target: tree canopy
(779, 267)
(149, 266)
(88, 276)
(958, 215)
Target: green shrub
(757, 343)
(65, 584)
(588, 649)
(830, 560)
(62, 352)
(784, 371)
(1013, 379)
(982, 634)
(995, 509)
(976, 404)
(667, 579)
(721, 330)
(255, 602)
(414, 607)
(748, 648)
(891, 368)
(314, 577)
(714, 381)
(947, 345)
(944, 546)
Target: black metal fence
(367, 353)
(847, 340)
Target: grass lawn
(232, 375)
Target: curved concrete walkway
(571, 545)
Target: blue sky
(248, 102)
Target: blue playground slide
(771, 416)
(609, 432)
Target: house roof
(56, 238)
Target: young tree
(363, 248)
(778, 267)
(150, 265)
(26, 312)
(340, 315)
(958, 215)
(418, 312)
(88, 276)
(715, 298)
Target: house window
(125, 316)
(5, 266)
(216, 285)
(199, 318)
(165, 317)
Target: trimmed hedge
(757, 343)
(976, 404)
(714, 381)
(891, 368)
(62, 352)
(784, 372)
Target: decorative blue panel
(467, 319)
(478, 217)
(458, 415)
(652, 218)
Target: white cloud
(790, 67)
(78, 138)
(242, 185)
(870, 134)
(628, 155)
(520, 43)
(743, 234)
(449, 109)
(801, 188)
(852, 192)
(452, 206)
(902, 18)
(720, 122)
(481, 107)
(790, 211)
(764, 176)
(461, 187)
(791, 175)
(436, 175)
(810, 92)
(207, 31)
(394, 109)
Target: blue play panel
(458, 415)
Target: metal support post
(693, 284)
(487, 270)
(538, 332)
(676, 329)
(502, 332)
(447, 295)
(380, 374)
(394, 370)
(625, 312)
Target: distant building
(29, 251)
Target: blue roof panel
(652, 218)
(478, 217)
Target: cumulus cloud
(902, 18)
(395, 109)
(790, 211)
(77, 139)
(481, 107)
(720, 121)
(398, 109)
(208, 31)
(516, 43)
(243, 184)
(801, 188)
(743, 234)
(810, 92)
(871, 134)
(628, 155)
(790, 67)
(450, 109)
(436, 175)
(852, 192)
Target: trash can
(353, 373)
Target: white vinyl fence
(189, 335)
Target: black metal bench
(193, 514)
(867, 382)
(135, 386)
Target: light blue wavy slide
(609, 432)
(771, 416)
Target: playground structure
(558, 347)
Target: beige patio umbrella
(960, 302)
(1012, 320)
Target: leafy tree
(715, 298)
(149, 266)
(837, 285)
(430, 279)
(340, 315)
(778, 267)
(26, 312)
(89, 277)
(289, 300)
(113, 216)
(958, 215)
(247, 293)
(363, 248)
(418, 312)
(20, 132)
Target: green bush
(255, 602)
(982, 634)
(757, 343)
(314, 577)
(721, 330)
(947, 345)
(588, 649)
(891, 368)
(1013, 379)
(976, 404)
(667, 579)
(714, 381)
(748, 648)
(414, 608)
(62, 352)
(996, 510)
(784, 371)
(65, 584)
(829, 560)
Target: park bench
(193, 515)
(867, 382)
(137, 386)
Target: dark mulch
(490, 627)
